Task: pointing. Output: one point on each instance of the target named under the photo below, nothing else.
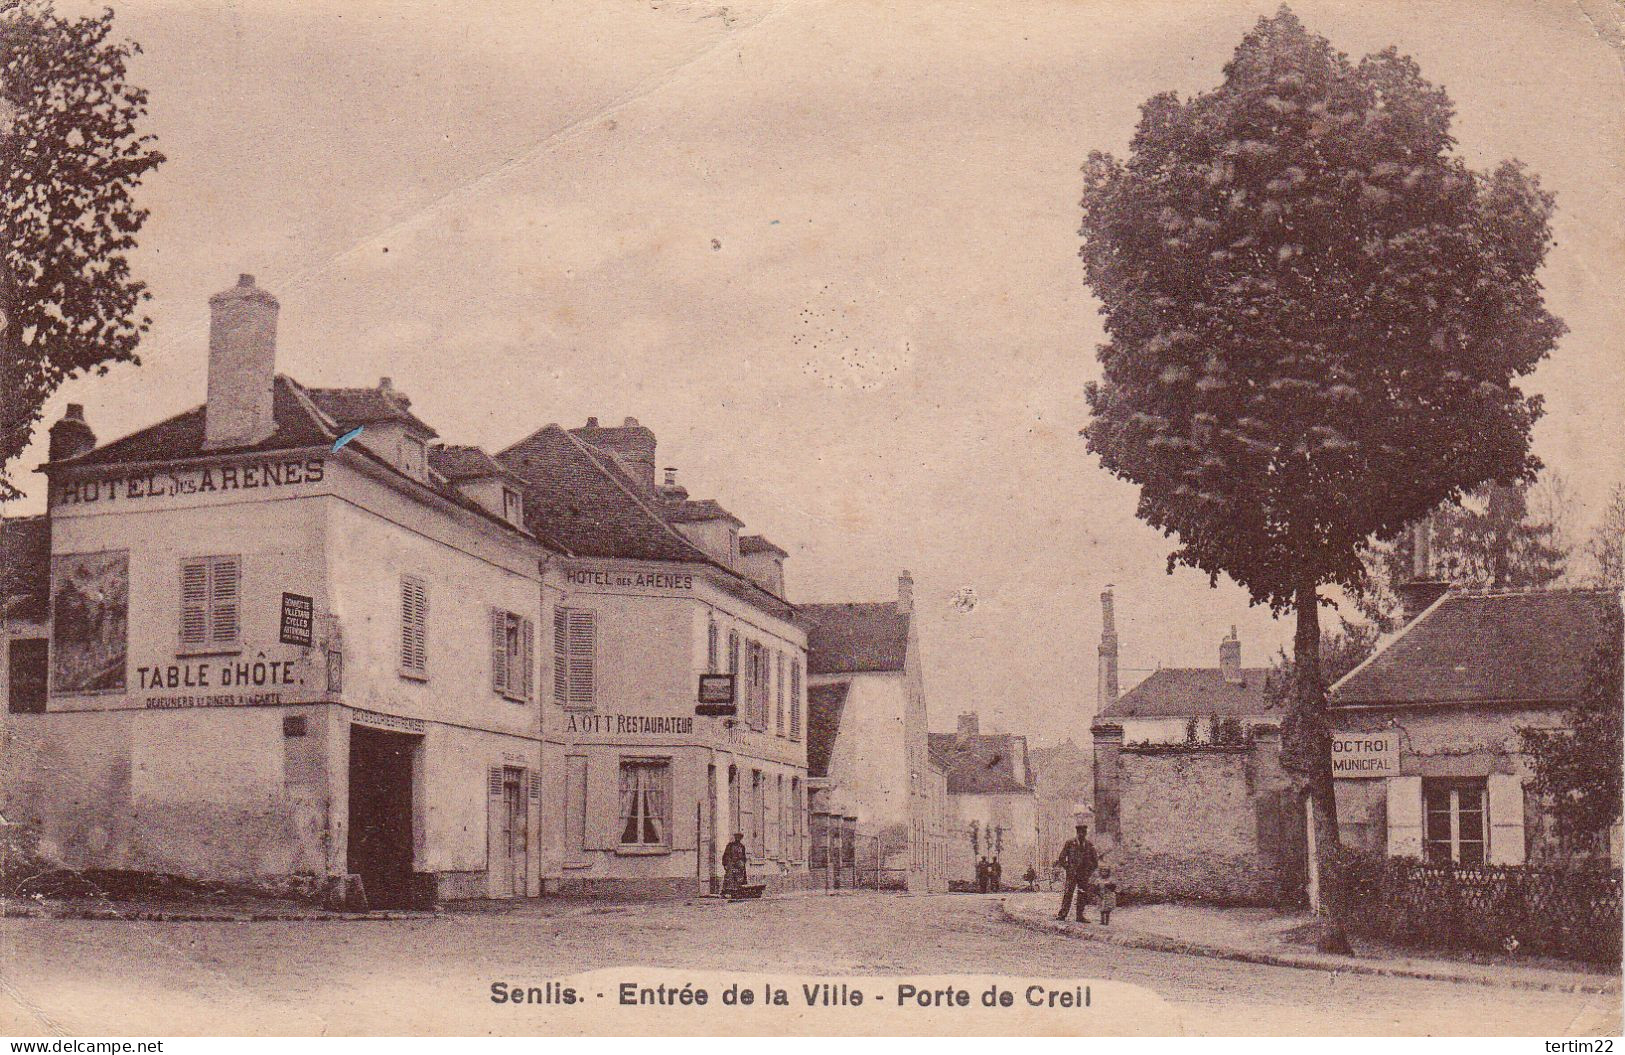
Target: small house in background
(990, 789)
(1190, 797)
(1427, 754)
(868, 754)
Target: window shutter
(499, 650)
(561, 655)
(494, 782)
(583, 642)
(194, 603)
(422, 625)
(224, 600)
(527, 634)
(414, 624)
(795, 699)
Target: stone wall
(1203, 822)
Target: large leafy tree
(71, 158)
(1316, 318)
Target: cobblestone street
(434, 975)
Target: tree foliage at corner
(1316, 319)
(71, 157)
(1577, 768)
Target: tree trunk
(1315, 750)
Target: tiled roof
(457, 463)
(366, 406)
(982, 763)
(855, 638)
(25, 567)
(825, 704)
(696, 510)
(1468, 648)
(1186, 692)
(182, 435)
(578, 498)
(750, 545)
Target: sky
(827, 251)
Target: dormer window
(513, 507)
(414, 457)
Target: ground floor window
(1454, 818)
(646, 802)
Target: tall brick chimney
(71, 436)
(1230, 657)
(905, 594)
(242, 366)
(631, 444)
(1106, 683)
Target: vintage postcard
(811, 517)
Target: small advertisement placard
(298, 612)
(716, 696)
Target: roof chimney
(1230, 658)
(632, 445)
(242, 366)
(968, 725)
(671, 490)
(71, 436)
(1106, 682)
(1423, 588)
(905, 594)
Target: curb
(1159, 943)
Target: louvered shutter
(499, 650)
(795, 699)
(414, 624)
(224, 600)
(561, 655)
(407, 634)
(494, 781)
(583, 644)
(194, 603)
(527, 636)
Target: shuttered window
(414, 626)
(512, 655)
(575, 645)
(211, 602)
(795, 699)
(778, 689)
(713, 648)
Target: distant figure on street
(995, 876)
(1031, 878)
(733, 865)
(983, 875)
(1108, 896)
(1078, 862)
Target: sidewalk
(1269, 937)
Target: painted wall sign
(224, 699)
(217, 674)
(208, 479)
(1356, 755)
(629, 724)
(657, 580)
(298, 612)
(386, 721)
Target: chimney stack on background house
(1230, 658)
(1423, 588)
(905, 594)
(71, 436)
(242, 366)
(671, 490)
(1106, 684)
(632, 445)
(968, 725)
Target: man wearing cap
(1078, 861)
(733, 865)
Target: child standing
(1108, 896)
